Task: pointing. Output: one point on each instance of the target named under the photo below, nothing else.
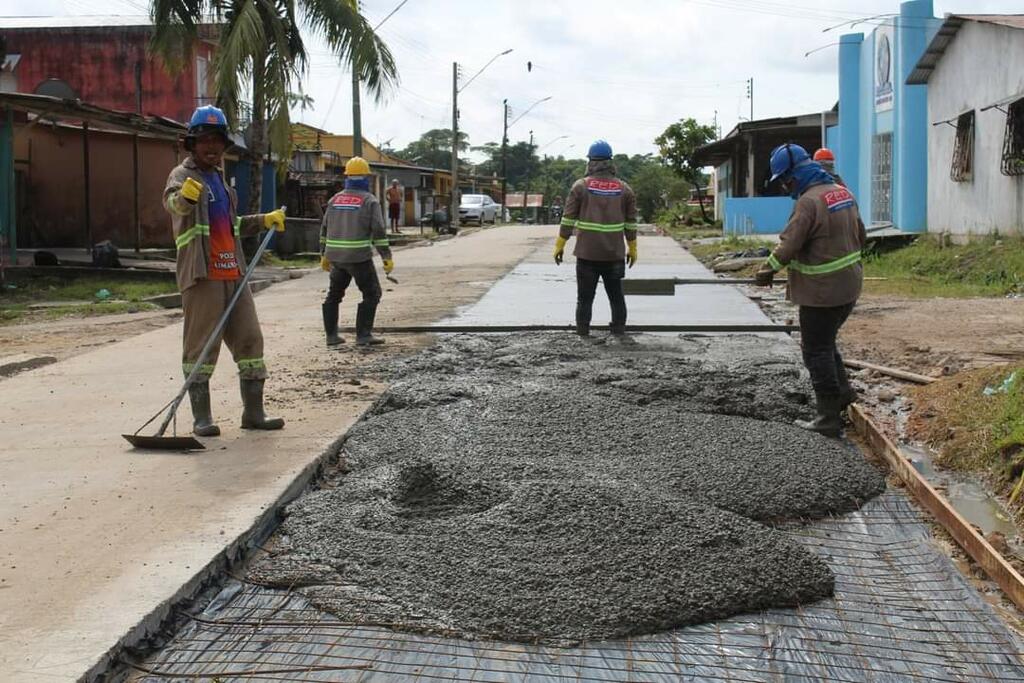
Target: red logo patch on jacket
(346, 202)
(604, 187)
(838, 199)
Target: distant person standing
(394, 197)
(601, 210)
(827, 160)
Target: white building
(974, 69)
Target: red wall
(99, 64)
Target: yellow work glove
(631, 254)
(191, 190)
(389, 265)
(275, 220)
(560, 249)
(325, 265)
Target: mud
(543, 488)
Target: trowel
(189, 443)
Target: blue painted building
(881, 142)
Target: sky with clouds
(622, 71)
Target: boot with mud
(847, 394)
(330, 312)
(253, 416)
(582, 329)
(365, 314)
(202, 418)
(829, 420)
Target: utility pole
(504, 158)
(357, 118)
(750, 96)
(526, 185)
(453, 215)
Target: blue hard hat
(208, 116)
(785, 158)
(599, 150)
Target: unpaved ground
(542, 487)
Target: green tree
(657, 187)
(678, 144)
(260, 47)
(434, 149)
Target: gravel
(543, 488)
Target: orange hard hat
(824, 154)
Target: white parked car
(478, 208)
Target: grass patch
(986, 267)
(684, 232)
(972, 431)
(125, 297)
(732, 244)
(271, 259)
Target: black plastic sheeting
(901, 612)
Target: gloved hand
(325, 265)
(389, 265)
(764, 277)
(274, 219)
(631, 254)
(560, 249)
(191, 190)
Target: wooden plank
(966, 536)
(495, 329)
(891, 372)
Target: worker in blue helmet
(601, 212)
(820, 247)
(207, 233)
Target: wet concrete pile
(540, 488)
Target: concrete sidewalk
(94, 536)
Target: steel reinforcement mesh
(901, 612)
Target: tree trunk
(700, 200)
(258, 141)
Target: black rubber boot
(330, 312)
(829, 421)
(253, 416)
(582, 330)
(618, 330)
(365, 314)
(847, 394)
(202, 419)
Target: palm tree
(260, 44)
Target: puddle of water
(967, 495)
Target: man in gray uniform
(353, 224)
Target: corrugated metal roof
(947, 33)
(87, 21)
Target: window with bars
(1013, 140)
(881, 178)
(963, 150)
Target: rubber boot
(617, 330)
(829, 421)
(330, 312)
(847, 394)
(365, 314)
(253, 416)
(202, 419)
(582, 329)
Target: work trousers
(366, 279)
(587, 275)
(203, 303)
(819, 327)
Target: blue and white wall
(874, 99)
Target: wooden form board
(966, 536)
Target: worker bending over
(821, 249)
(352, 226)
(210, 263)
(601, 209)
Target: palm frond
(241, 39)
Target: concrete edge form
(973, 543)
(160, 618)
(502, 329)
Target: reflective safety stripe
(774, 263)
(569, 222)
(238, 227)
(826, 268)
(381, 243)
(348, 244)
(190, 234)
(251, 364)
(204, 369)
(600, 227)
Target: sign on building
(883, 69)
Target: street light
(453, 216)
(560, 137)
(529, 109)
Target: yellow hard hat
(357, 166)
